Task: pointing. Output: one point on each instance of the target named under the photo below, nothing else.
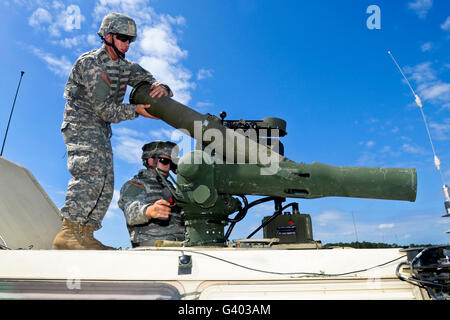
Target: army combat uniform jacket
(97, 85)
(136, 196)
(94, 92)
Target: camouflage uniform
(138, 194)
(94, 92)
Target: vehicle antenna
(10, 115)
(356, 233)
(437, 162)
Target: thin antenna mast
(354, 226)
(437, 162)
(10, 115)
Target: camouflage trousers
(90, 162)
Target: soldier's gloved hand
(159, 210)
(140, 109)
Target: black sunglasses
(164, 161)
(124, 37)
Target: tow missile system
(208, 179)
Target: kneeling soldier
(146, 202)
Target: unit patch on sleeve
(106, 78)
(136, 183)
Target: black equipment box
(290, 228)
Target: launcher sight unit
(240, 158)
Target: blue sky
(315, 64)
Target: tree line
(370, 245)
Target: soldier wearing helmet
(150, 212)
(119, 25)
(94, 91)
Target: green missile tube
(293, 180)
(227, 143)
(167, 109)
(317, 180)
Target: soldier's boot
(87, 234)
(69, 238)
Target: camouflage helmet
(157, 148)
(117, 23)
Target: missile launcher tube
(185, 119)
(298, 180)
(317, 180)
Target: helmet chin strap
(120, 54)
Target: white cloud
(202, 104)
(59, 65)
(93, 40)
(70, 42)
(39, 17)
(327, 217)
(138, 7)
(421, 72)
(441, 130)
(160, 42)
(446, 25)
(367, 159)
(163, 134)
(386, 226)
(161, 55)
(204, 74)
(340, 228)
(430, 87)
(413, 149)
(128, 149)
(78, 41)
(437, 90)
(67, 19)
(426, 46)
(421, 7)
(176, 76)
(57, 5)
(127, 144)
(370, 144)
(128, 132)
(113, 207)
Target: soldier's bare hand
(160, 209)
(140, 109)
(158, 91)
